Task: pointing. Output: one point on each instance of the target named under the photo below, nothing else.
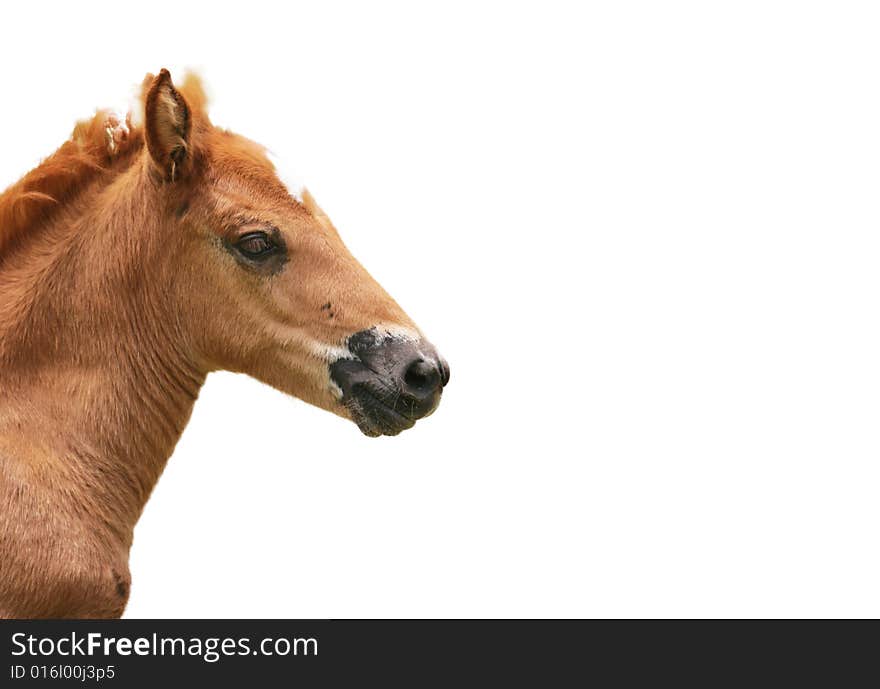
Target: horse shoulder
(54, 562)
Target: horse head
(262, 282)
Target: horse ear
(167, 126)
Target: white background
(645, 235)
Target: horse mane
(58, 179)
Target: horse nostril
(444, 373)
(422, 376)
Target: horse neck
(97, 379)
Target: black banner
(134, 653)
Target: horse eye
(255, 245)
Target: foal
(133, 261)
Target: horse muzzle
(389, 382)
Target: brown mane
(55, 181)
(35, 198)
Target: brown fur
(116, 299)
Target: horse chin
(375, 418)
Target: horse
(150, 249)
